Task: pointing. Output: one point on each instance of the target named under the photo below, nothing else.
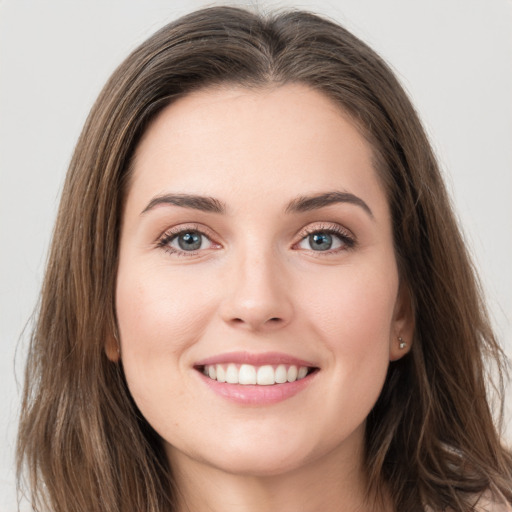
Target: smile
(248, 374)
(256, 379)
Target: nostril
(257, 321)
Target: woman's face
(256, 246)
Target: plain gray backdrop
(454, 57)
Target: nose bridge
(257, 296)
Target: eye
(321, 242)
(183, 241)
(332, 239)
(188, 241)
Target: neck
(328, 484)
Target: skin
(258, 285)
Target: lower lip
(258, 395)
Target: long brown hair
(430, 439)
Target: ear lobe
(112, 350)
(402, 331)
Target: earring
(401, 343)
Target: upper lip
(265, 358)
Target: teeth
(221, 374)
(247, 374)
(292, 374)
(232, 374)
(281, 374)
(266, 375)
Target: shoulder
(486, 503)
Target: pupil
(320, 241)
(189, 241)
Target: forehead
(286, 140)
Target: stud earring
(401, 343)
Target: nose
(257, 294)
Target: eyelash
(164, 241)
(344, 235)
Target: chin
(267, 454)
(260, 464)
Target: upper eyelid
(180, 228)
(341, 232)
(325, 226)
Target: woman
(257, 295)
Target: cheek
(354, 320)
(160, 315)
(359, 307)
(160, 306)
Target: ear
(402, 329)
(112, 348)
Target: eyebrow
(202, 203)
(308, 203)
(298, 205)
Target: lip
(254, 395)
(272, 358)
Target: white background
(453, 56)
